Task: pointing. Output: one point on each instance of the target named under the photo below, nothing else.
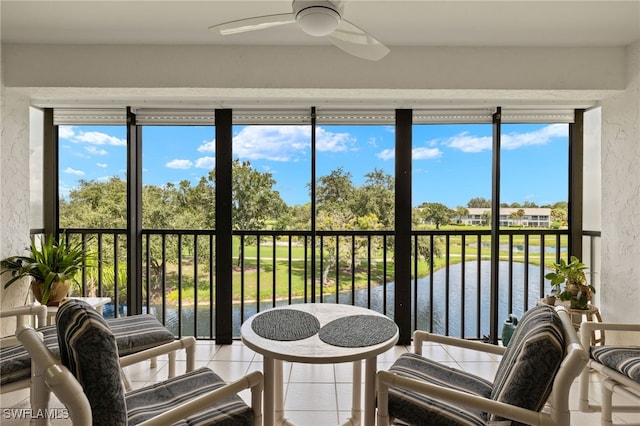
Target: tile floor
(316, 395)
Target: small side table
(590, 314)
(95, 302)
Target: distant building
(533, 217)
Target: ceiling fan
(317, 18)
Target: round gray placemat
(357, 331)
(285, 325)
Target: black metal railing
(450, 273)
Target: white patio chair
(139, 338)
(619, 366)
(87, 380)
(531, 385)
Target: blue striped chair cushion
(623, 359)
(148, 402)
(15, 362)
(133, 334)
(417, 409)
(532, 359)
(88, 349)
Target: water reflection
(430, 311)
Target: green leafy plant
(576, 289)
(50, 262)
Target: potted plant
(576, 289)
(51, 265)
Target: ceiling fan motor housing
(317, 17)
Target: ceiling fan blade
(357, 42)
(253, 24)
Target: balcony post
(224, 234)
(134, 217)
(50, 200)
(576, 179)
(402, 247)
(495, 229)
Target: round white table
(314, 350)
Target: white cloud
(422, 153)
(95, 151)
(538, 137)
(179, 164)
(99, 138)
(103, 165)
(333, 142)
(386, 154)
(208, 146)
(66, 132)
(206, 162)
(71, 171)
(284, 143)
(275, 143)
(468, 143)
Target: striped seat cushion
(138, 333)
(88, 349)
(417, 409)
(148, 402)
(623, 359)
(133, 334)
(15, 362)
(529, 365)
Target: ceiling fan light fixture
(318, 20)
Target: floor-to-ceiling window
(312, 211)
(92, 195)
(355, 193)
(451, 198)
(178, 219)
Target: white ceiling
(395, 23)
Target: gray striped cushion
(623, 359)
(88, 349)
(417, 409)
(148, 402)
(138, 332)
(133, 334)
(531, 360)
(15, 362)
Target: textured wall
(14, 190)
(620, 296)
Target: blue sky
(451, 163)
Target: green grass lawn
(262, 284)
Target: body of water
(476, 302)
